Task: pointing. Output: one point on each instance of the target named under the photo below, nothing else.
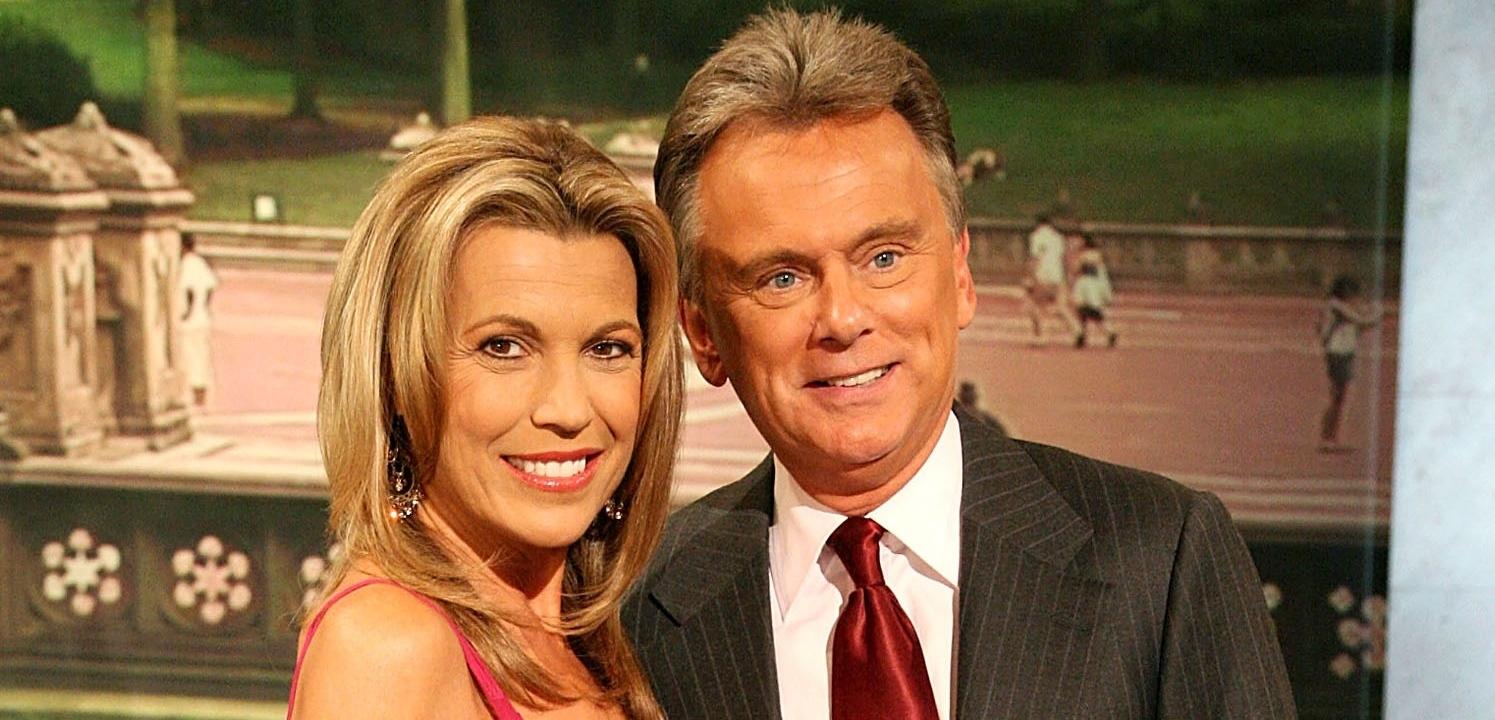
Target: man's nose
(841, 313)
(565, 405)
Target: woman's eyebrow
(520, 324)
(617, 325)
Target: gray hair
(792, 70)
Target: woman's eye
(884, 259)
(502, 348)
(612, 349)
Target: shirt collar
(923, 518)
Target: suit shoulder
(1108, 494)
(701, 513)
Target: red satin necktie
(877, 667)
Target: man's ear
(702, 346)
(965, 286)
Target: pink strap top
(493, 695)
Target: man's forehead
(761, 135)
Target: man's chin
(851, 458)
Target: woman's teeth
(552, 468)
(856, 380)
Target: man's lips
(860, 378)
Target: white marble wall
(1441, 637)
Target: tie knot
(856, 543)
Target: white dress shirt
(920, 556)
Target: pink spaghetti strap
(493, 695)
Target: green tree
(456, 81)
(1091, 23)
(303, 28)
(163, 121)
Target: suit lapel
(716, 592)
(1028, 616)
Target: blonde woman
(499, 415)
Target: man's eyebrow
(887, 230)
(759, 265)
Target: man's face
(834, 291)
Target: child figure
(1339, 332)
(1092, 291)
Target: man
(968, 398)
(1044, 281)
(893, 558)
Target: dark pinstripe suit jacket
(1087, 590)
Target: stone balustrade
(49, 212)
(90, 246)
(1206, 258)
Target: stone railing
(147, 584)
(1166, 258)
(166, 584)
(1206, 258)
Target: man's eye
(782, 280)
(884, 259)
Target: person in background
(195, 284)
(1089, 252)
(969, 397)
(499, 414)
(1340, 323)
(1044, 281)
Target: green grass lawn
(326, 190)
(109, 35)
(1262, 153)
(112, 39)
(1267, 152)
(1259, 153)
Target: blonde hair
(384, 342)
(791, 70)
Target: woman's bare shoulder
(381, 651)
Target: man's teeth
(861, 379)
(553, 468)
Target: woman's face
(541, 388)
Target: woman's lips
(555, 471)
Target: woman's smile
(561, 471)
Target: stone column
(137, 252)
(49, 211)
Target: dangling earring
(404, 491)
(611, 512)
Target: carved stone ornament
(115, 159)
(212, 579)
(15, 303)
(81, 573)
(29, 165)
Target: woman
(498, 417)
(196, 283)
(1340, 323)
